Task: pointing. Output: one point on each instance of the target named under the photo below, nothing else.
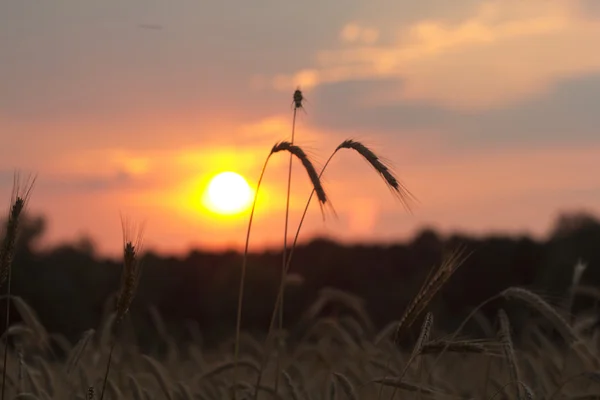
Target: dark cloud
(590, 8)
(566, 115)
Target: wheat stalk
(316, 182)
(347, 385)
(423, 337)
(132, 269)
(405, 196)
(298, 97)
(130, 277)
(291, 386)
(19, 199)
(578, 271)
(438, 346)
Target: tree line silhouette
(71, 288)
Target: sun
(228, 193)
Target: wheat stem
(130, 276)
(283, 263)
(243, 280)
(19, 201)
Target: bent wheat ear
(310, 169)
(405, 196)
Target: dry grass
(350, 366)
(509, 351)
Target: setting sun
(228, 193)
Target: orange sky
(487, 111)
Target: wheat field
(334, 358)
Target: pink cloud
(504, 52)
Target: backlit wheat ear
(405, 196)
(132, 269)
(390, 179)
(310, 169)
(19, 199)
(298, 99)
(130, 277)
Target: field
(334, 358)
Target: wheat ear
(432, 284)
(398, 188)
(406, 197)
(130, 276)
(19, 199)
(429, 289)
(389, 178)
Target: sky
(486, 110)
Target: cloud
(567, 115)
(504, 52)
(353, 33)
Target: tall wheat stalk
(297, 101)
(316, 183)
(130, 277)
(19, 199)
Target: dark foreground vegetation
(342, 311)
(72, 289)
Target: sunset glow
(228, 193)
(486, 110)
